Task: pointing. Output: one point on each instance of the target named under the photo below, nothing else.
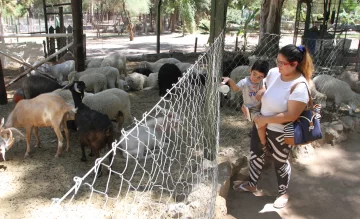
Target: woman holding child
(278, 106)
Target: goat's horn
(2, 122)
(76, 88)
(10, 140)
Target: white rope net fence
(165, 165)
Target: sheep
(111, 74)
(169, 74)
(35, 85)
(232, 62)
(42, 111)
(61, 71)
(319, 98)
(154, 67)
(66, 95)
(123, 85)
(94, 63)
(111, 102)
(338, 91)
(94, 82)
(151, 82)
(135, 81)
(168, 60)
(143, 71)
(95, 128)
(6, 138)
(117, 61)
(352, 78)
(149, 135)
(183, 66)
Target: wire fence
(165, 166)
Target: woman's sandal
(239, 187)
(280, 202)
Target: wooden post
(76, 7)
(46, 26)
(158, 28)
(218, 18)
(3, 95)
(52, 43)
(62, 40)
(236, 43)
(69, 29)
(196, 39)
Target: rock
(349, 123)
(337, 126)
(220, 208)
(303, 151)
(177, 210)
(224, 178)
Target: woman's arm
(295, 108)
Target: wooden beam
(54, 35)
(38, 64)
(76, 7)
(3, 95)
(158, 28)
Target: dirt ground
(325, 185)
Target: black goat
(168, 74)
(95, 129)
(35, 85)
(143, 71)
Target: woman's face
(285, 67)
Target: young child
(249, 87)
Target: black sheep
(168, 74)
(235, 61)
(95, 129)
(35, 85)
(143, 71)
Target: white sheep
(94, 63)
(154, 67)
(66, 95)
(60, 71)
(111, 74)
(94, 82)
(168, 60)
(352, 78)
(149, 135)
(110, 102)
(135, 81)
(183, 66)
(123, 85)
(117, 61)
(338, 91)
(151, 81)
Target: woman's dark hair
(261, 66)
(301, 55)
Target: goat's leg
(28, 138)
(66, 130)
(83, 157)
(60, 140)
(36, 133)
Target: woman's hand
(260, 121)
(259, 94)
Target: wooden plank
(3, 95)
(76, 7)
(38, 64)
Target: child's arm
(231, 83)
(260, 93)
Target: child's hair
(301, 55)
(261, 66)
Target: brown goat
(45, 110)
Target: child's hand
(259, 94)
(225, 80)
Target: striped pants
(280, 153)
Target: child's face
(256, 76)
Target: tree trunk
(173, 22)
(270, 22)
(1, 29)
(145, 24)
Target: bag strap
(307, 88)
